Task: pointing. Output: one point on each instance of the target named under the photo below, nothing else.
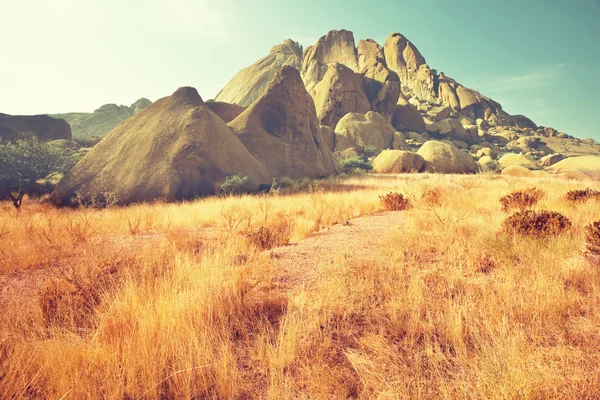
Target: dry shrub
(394, 201)
(521, 200)
(269, 237)
(581, 196)
(432, 197)
(593, 242)
(536, 223)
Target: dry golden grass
(179, 300)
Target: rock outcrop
(364, 130)
(43, 127)
(335, 47)
(250, 84)
(176, 148)
(282, 131)
(443, 158)
(397, 161)
(227, 112)
(407, 118)
(339, 93)
(382, 85)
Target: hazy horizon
(537, 59)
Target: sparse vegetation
(593, 242)
(394, 201)
(238, 184)
(537, 223)
(583, 195)
(357, 163)
(179, 300)
(25, 161)
(521, 200)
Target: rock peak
(187, 95)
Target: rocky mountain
(102, 120)
(178, 148)
(41, 126)
(395, 81)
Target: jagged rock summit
(397, 68)
(250, 83)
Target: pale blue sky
(540, 58)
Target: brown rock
(227, 112)
(282, 131)
(406, 117)
(177, 148)
(252, 82)
(338, 93)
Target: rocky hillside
(102, 120)
(349, 82)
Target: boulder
(578, 164)
(398, 141)
(550, 160)
(487, 163)
(397, 161)
(338, 93)
(511, 159)
(407, 117)
(451, 128)
(362, 130)
(43, 127)
(518, 171)
(335, 47)
(417, 137)
(227, 112)
(444, 158)
(282, 131)
(523, 122)
(489, 152)
(251, 82)
(177, 148)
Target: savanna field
(315, 292)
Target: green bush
(358, 162)
(238, 184)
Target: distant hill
(101, 121)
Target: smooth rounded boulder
(451, 128)
(578, 164)
(397, 161)
(446, 159)
(518, 171)
(364, 130)
(407, 117)
(512, 159)
(338, 93)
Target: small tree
(25, 161)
